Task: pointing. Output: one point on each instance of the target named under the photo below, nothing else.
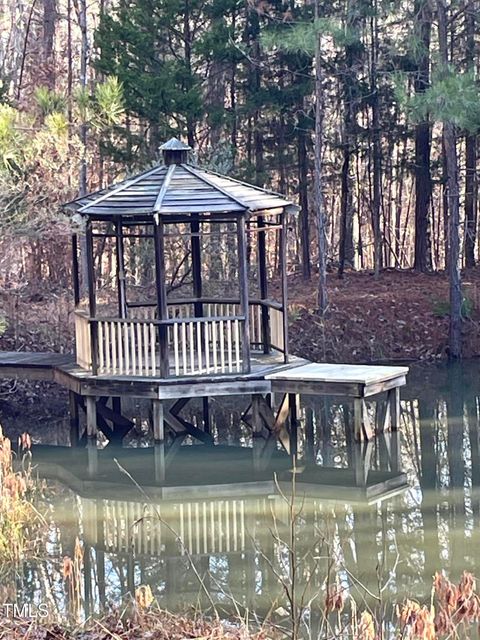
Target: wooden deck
(353, 380)
(269, 376)
(31, 365)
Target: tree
(319, 204)
(453, 196)
(149, 46)
(471, 185)
(423, 180)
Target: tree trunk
(470, 149)
(321, 218)
(49, 19)
(423, 180)
(349, 142)
(376, 150)
(470, 198)
(452, 198)
(303, 200)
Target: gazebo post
(283, 253)
(262, 277)
(158, 234)
(122, 298)
(92, 301)
(75, 270)
(243, 282)
(196, 265)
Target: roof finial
(175, 152)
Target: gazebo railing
(211, 344)
(212, 308)
(206, 345)
(196, 346)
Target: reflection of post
(130, 574)
(159, 440)
(87, 579)
(428, 480)
(361, 458)
(92, 458)
(293, 405)
(456, 460)
(258, 440)
(100, 551)
(309, 436)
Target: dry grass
(19, 518)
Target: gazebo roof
(177, 189)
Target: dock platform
(272, 385)
(28, 365)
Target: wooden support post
(121, 284)
(196, 266)
(309, 436)
(393, 400)
(74, 419)
(91, 409)
(158, 421)
(283, 251)
(383, 415)
(363, 429)
(117, 405)
(263, 283)
(158, 232)
(75, 270)
(206, 415)
(243, 283)
(92, 300)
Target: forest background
(366, 112)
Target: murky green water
(219, 530)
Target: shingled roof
(179, 188)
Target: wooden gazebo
(165, 336)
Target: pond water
(228, 534)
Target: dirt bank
(401, 316)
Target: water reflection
(217, 522)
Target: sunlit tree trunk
(321, 217)
(452, 199)
(471, 185)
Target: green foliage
(143, 46)
(104, 107)
(11, 140)
(50, 101)
(109, 103)
(452, 97)
(3, 323)
(441, 308)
